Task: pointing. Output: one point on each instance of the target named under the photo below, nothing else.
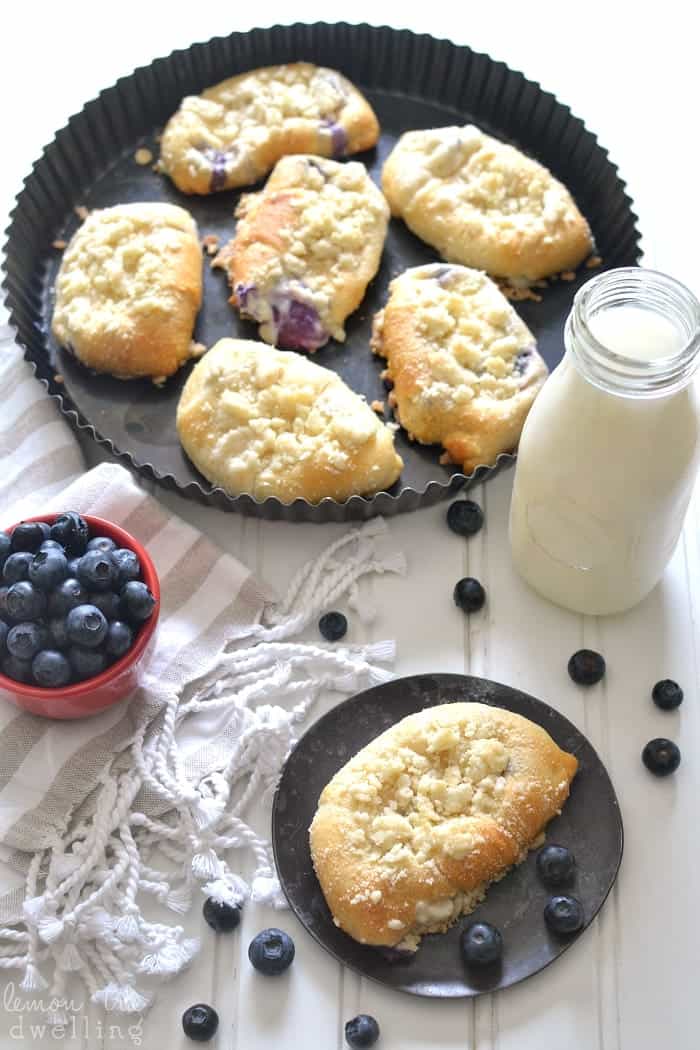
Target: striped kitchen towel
(148, 797)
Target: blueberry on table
(661, 757)
(3, 602)
(106, 601)
(71, 531)
(128, 565)
(667, 694)
(51, 669)
(465, 517)
(47, 569)
(555, 865)
(221, 917)
(333, 626)
(586, 667)
(361, 1031)
(67, 596)
(86, 663)
(24, 601)
(271, 952)
(51, 545)
(18, 670)
(28, 536)
(481, 944)
(119, 639)
(24, 640)
(86, 626)
(200, 1022)
(101, 543)
(5, 547)
(563, 915)
(73, 567)
(16, 567)
(469, 595)
(97, 571)
(4, 628)
(137, 602)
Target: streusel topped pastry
(128, 290)
(235, 132)
(464, 366)
(410, 832)
(305, 249)
(270, 423)
(485, 204)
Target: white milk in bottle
(610, 450)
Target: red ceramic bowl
(121, 677)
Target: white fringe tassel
(85, 918)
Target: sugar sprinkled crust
(305, 249)
(128, 290)
(235, 132)
(464, 367)
(272, 423)
(410, 832)
(485, 204)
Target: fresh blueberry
(137, 602)
(333, 626)
(24, 640)
(5, 547)
(73, 567)
(71, 531)
(4, 628)
(86, 626)
(51, 669)
(24, 601)
(661, 757)
(16, 567)
(119, 639)
(563, 914)
(221, 917)
(51, 545)
(29, 536)
(3, 603)
(481, 944)
(667, 694)
(200, 1022)
(101, 543)
(18, 670)
(67, 596)
(465, 517)
(128, 565)
(469, 595)
(86, 663)
(586, 667)
(58, 633)
(271, 952)
(107, 602)
(97, 571)
(361, 1031)
(555, 865)
(48, 569)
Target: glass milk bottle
(609, 452)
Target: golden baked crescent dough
(485, 204)
(410, 832)
(271, 423)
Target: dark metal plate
(590, 824)
(413, 82)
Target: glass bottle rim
(618, 373)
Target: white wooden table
(630, 982)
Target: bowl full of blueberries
(79, 604)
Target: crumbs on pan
(210, 243)
(59, 245)
(568, 275)
(377, 406)
(58, 378)
(81, 211)
(593, 262)
(445, 459)
(197, 349)
(143, 156)
(518, 294)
